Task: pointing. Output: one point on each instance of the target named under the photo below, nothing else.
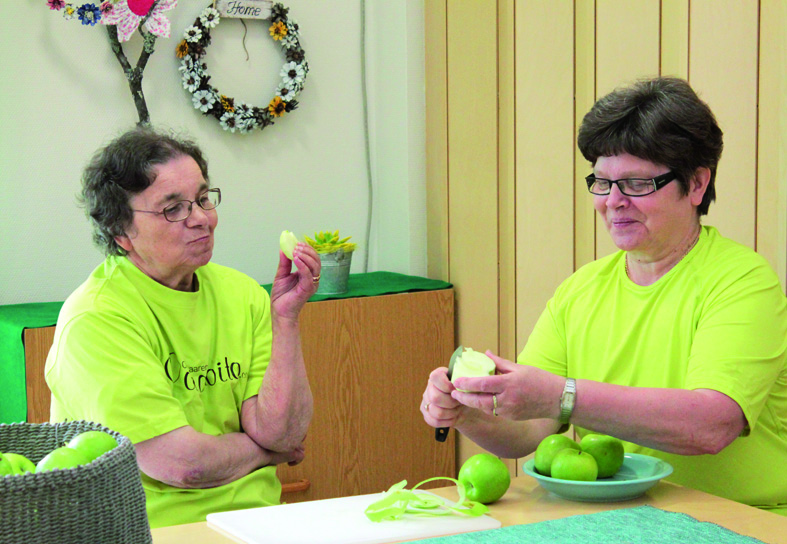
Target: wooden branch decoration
(134, 74)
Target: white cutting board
(338, 521)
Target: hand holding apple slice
(472, 364)
(287, 243)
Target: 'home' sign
(245, 9)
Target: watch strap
(567, 400)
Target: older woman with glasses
(170, 349)
(676, 344)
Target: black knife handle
(440, 434)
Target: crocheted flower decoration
(128, 14)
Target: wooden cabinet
(368, 360)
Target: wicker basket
(102, 502)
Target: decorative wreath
(235, 115)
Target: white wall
(63, 94)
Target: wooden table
(527, 502)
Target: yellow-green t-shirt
(144, 359)
(717, 320)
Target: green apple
(19, 463)
(571, 464)
(548, 448)
(606, 450)
(93, 444)
(63, 457)
(485, 477)
(472, 364)
(5, 466)
(287, 242)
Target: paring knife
(441, 433)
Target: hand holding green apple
(472, 364)
(485, 477)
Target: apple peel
(399, 501)
(287, 243)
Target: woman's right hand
(439, 408)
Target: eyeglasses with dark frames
(181, 210)
(629, 186)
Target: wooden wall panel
(675, 38)
(627, 48)
(436, 90)
(584, 97)
(723, 70)
(771, 230)
(545, 155)
(507, 157)
(473, 173)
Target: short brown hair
(661, 120)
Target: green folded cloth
(14, 318)
(640, 524)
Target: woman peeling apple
(676, 344)
(170, 349)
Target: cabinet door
(368, 361)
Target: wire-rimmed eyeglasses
(629, 186)
(181, 210)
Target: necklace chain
(689, 248)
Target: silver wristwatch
(567, 400)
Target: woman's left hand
(517, 392)
(292, 288)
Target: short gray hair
(124, 168)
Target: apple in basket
(93, 444)
(63, 457)
(19, 463)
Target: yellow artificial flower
(182, 49)
(277, 106)
(278, 30)
(226, 104)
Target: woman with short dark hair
(676, 344)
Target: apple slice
(472, 364)
(287, 242)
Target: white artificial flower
(293, 71)
(228, 121)
(191, 81)
(203, 100)
(210, 17)
(192, 34)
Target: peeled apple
(287, 242)
(472, 364)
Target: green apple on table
(571, 464)
(93, 444)
(485, 477)
(606, 450)
(63, 457)
(472, 364)
(19, 463)
(548, 448)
